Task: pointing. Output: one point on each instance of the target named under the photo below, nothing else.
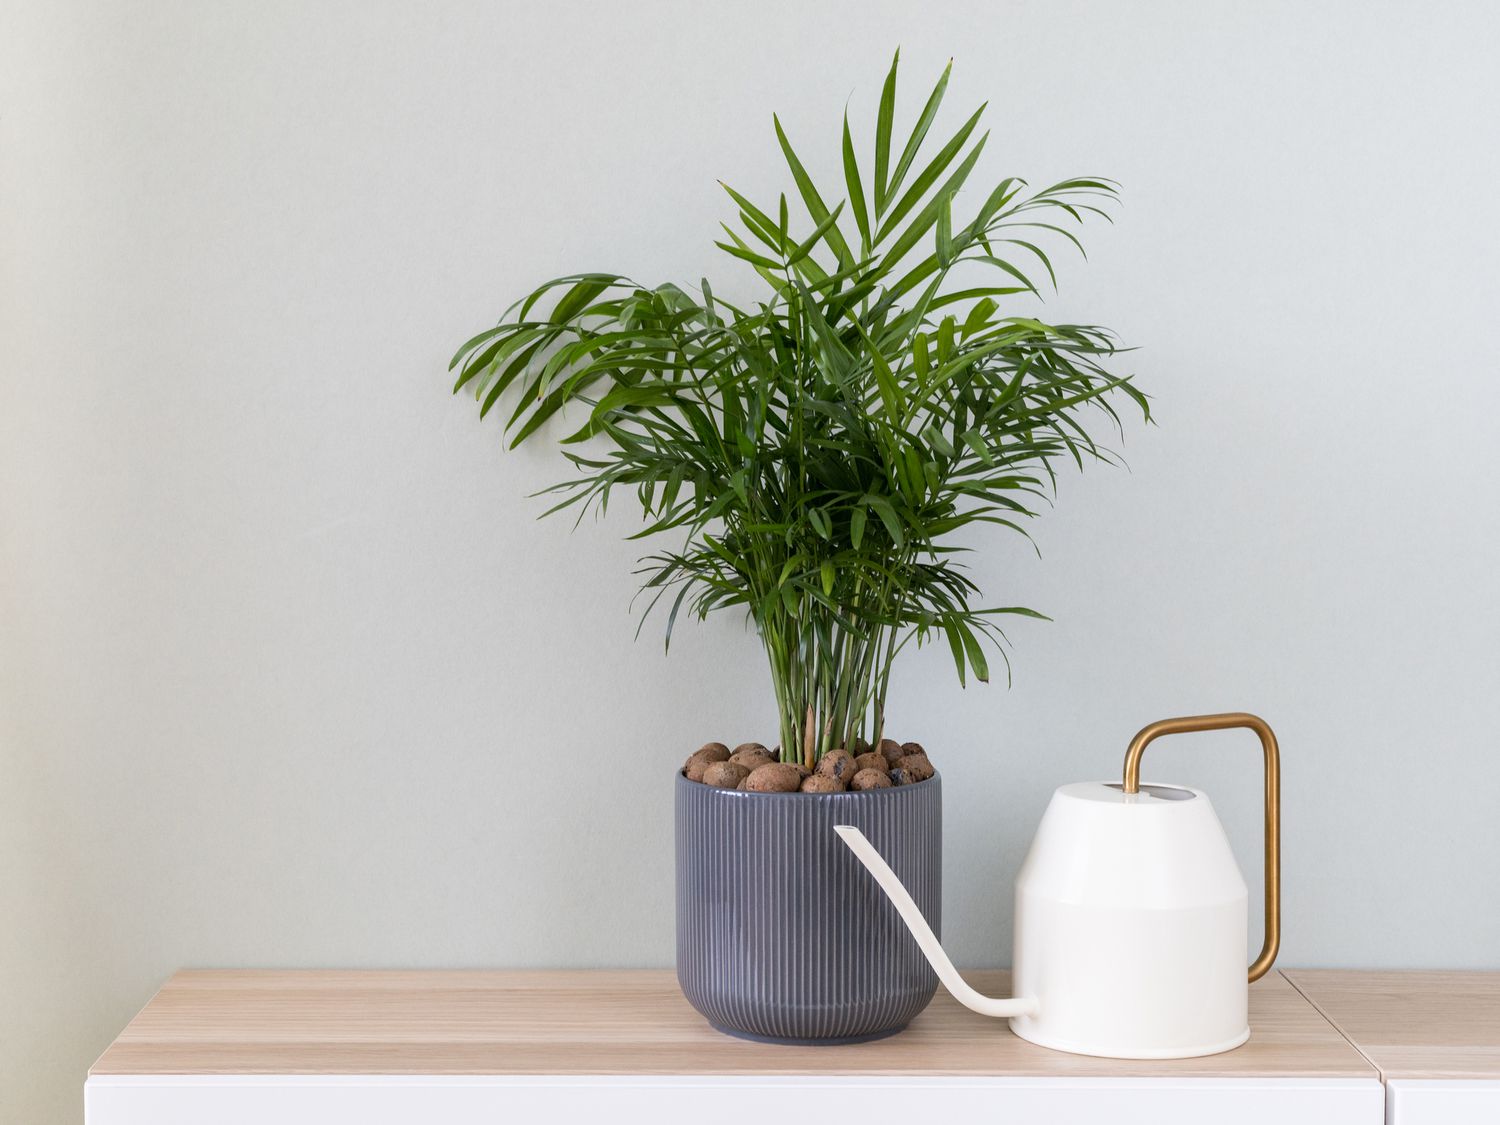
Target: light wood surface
(619, 1022)
(1413, 1024)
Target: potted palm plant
(811, 443)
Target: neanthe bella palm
(815, 448)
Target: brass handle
(1192, 723)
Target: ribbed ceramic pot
(781, 935)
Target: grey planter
(781, 935)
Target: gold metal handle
(1192, 723)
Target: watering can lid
(1113, 793)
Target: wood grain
(1413, 1024)
(243, 1022)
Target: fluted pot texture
(781, 934)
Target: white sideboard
(461, 1048)
(726, 1100)
(1433, 1036)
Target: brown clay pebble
(821, 783)
(900, 777)
(802, 771)
(743, 746)
(917, 765)
(838, 765)
(890, 750)
(751, 756)
(870, 779)
(725, 775)
(871, 761)
(861, 747)
(705, 756)
(774, 777)
(911, 748)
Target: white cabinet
(1434, 1036)
(1440, 1101)
(664, 1100)
(485, 1048)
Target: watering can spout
(927, 941)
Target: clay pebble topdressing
(753, 768)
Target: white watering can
(1130, 915)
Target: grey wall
(289, 675)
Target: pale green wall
(278, 633)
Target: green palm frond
(816, 451)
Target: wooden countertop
(242, 1022)
(1413, 1024)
